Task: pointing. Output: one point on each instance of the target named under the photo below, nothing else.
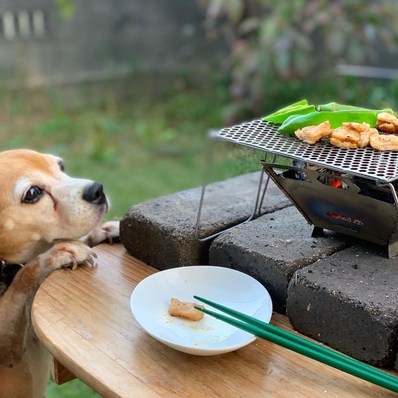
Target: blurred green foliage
(72, 389)
(66, 8)
(138, 149)
(295, 43)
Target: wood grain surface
(84, 319)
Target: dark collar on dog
(8, 272)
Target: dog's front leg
(16, 303)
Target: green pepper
(336, 119)
(298, 108)
(301, 114)
(280, 117)
(334, 106)
(297, 104)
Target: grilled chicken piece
(312, 134)
(345, 138)
(387, 122)
(366, 137)
(352, 135)
(384, 142)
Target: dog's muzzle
(94, 193)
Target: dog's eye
(32, 195)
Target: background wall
(100, 39)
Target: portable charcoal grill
(351, 191)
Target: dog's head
(40, 204)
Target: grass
(73, 389)
(141, 150)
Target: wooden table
(83, 317)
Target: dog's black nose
(94, 193)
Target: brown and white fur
(42, 213)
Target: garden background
(126, 91)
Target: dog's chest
(39, 362)
(30, 377)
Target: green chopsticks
(301, 345)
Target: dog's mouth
(84, 223)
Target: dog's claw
(69, 254)
(90, 262)
(74, 264)
(109, 237)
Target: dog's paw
(68, 254)
(106, 232)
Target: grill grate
(361, 162)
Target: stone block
(349, 302)
(272, 247)
(161, 231)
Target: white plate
(150, 301)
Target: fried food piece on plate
(312, 134)
(387, 122)
(384, 142)
(352, 135)
(185, 310)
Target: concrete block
(272, 247)
(349, 302)
(161, 231)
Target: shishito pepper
(301, 114)
(281, 117)
(298, 108)
(336, 119)
(334, 106)
(296, 105)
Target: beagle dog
(43, 213)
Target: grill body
(351, 191)
(349, 210)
